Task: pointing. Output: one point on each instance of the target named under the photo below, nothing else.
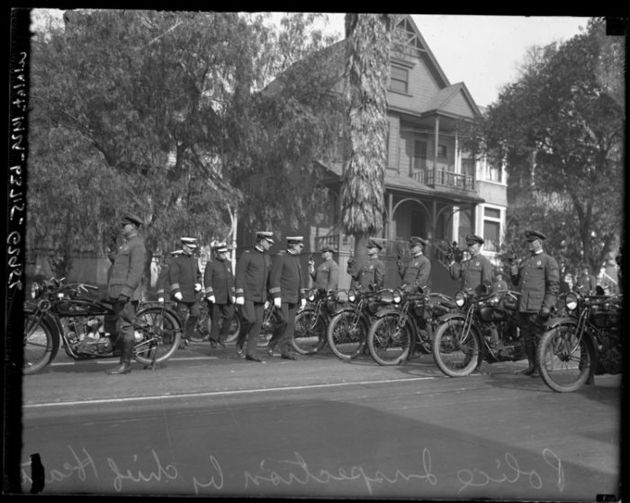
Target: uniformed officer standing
(415, 274)
(586, 282)
(371, 275)
(218, 281)
(162, 285)
(476, 271)
(537, 278)
(326, 277)
(124, 283)
(185, 280)
(286, 285)
(252, 289)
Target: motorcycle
(203, 327)
(312, 321)
(484, 328)
(350, 323)
(405, 323)
(60, 313)
(584, 342)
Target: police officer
(162, 284)
(219, 291)
(252, 289)
(286, 285)
(326, 277)
(475, 272)
(185, 281)
(537, 278)
(371, 275)
(415, 275)
(586, 282)
(124, 282)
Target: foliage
(560, 132)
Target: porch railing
(443, 176)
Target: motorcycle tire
(157, 325)
(565, 363)
(203, 328)
(310, 333)
(454, 354)
(387, 342)
(41, 343)
(346, 338)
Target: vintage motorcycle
(350, 323)
(312, 321)
(484, 328)
(584, 342)
(60, 313)
(405, 324)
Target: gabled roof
(445, 97)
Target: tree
(560, 131)
(367, 71)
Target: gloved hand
(123, 298)
(178, 296)
(545, 312)
(197, 287)
(233, 299)
(277, 302)
(211, 299)
(240, 301)
(161, 299)
(302, 303)
(267, 304)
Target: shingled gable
(453, 100)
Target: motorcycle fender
(556, 322)
(343, 310)
(386, 311)
(449, 316)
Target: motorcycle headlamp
(352, 295)
(571, 301)
(460, 299)
(311, 295)
(36, 290)
(397, 297)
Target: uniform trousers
(222, 316)
(253, 313)
(125, 316)
(284, 332)
(188, 313)
(532, 327)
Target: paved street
(208, 423)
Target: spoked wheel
(235, 328)
(565, 362)
(456, 353)
(310, 333)
(203, 327)
(347, 334)
(388, 343)
(40, 345)
(161, 334)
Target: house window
(492, 228)
(399, 79)
(493, 173)
(441, 151)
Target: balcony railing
(443, 176)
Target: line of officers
(259, 276)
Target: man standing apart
(326, 277)
(371, 275)
(252, 279)
(537, 278)
(475, 272)
(287, 289)
(185, 281)
(219, 290)
(415, 275)
(124, 287)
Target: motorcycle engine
(87, 336)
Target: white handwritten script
(295, 471)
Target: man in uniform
(586, 282)
(185, 281)
(371, 275)
(162, 283)
(252, 281)
(537, 278)
(219, 291)
(286, 285)
(475, 272)
(124, 283)
(415, 275)
(326, 277)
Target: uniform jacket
(162, 284)
(183, 273)
(218, 280)
(286, 280)
(125, 274)
(369, 275)
(538, 280)
(252, 275)
(587, 282)
(416, 272)
(326, 276)
(474, 272)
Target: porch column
(458, 156)
(390, 216)
(455, 229)
(436, 139)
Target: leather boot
(531, 369)
(125, 361)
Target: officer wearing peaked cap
(415, 275)
(185, 281)
(326, 276)
(162, 284)
(371, 274)
(219, 291)
(538, 280)
(475, 272)
(252, 283)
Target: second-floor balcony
(442, 176)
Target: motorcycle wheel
(40, 344)
(388, 344)
(203, 327)
(161, 326)
(310, 333)
(345, 337)
(455, 354)
(565, 363)
(235, 328)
